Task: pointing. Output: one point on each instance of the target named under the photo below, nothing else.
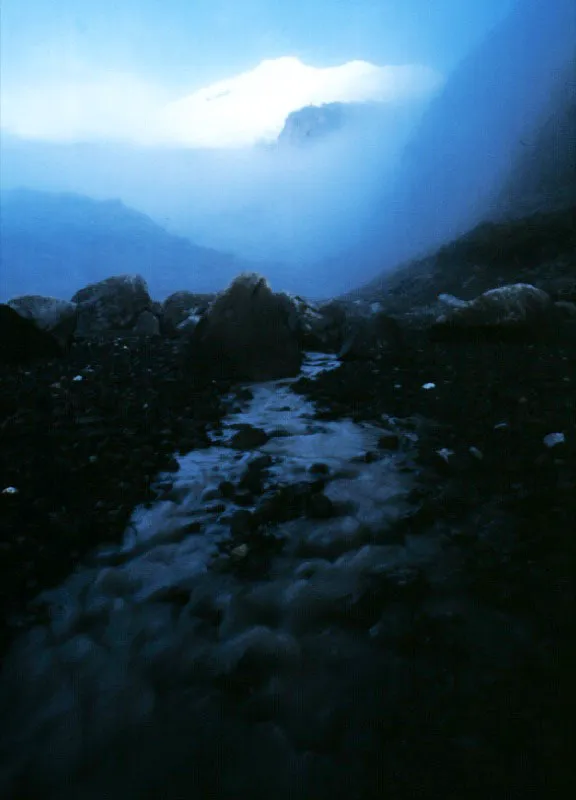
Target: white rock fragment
(239, 552)
(552, 439)
(429, 386)
(10, 490)
(452, 301)
(77, 378)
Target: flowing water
(167, 669)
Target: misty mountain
(289, 204)
(470, 146)
(53, 244)
(543, 177)
(461, 154)
(312, 122)
(539, 249)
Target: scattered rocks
(83, 455)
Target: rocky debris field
(81, 438)
(496, 432)
(539, 249)
(367, 595)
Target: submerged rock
(249, 438)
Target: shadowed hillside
(55, 243)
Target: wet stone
(210, 494)
(319, 469)
(389, 441)
(319, 506)
(242, 523)
(217, 508)
(244, 498)
(226, 489)
(249, 438)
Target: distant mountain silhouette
(53, 244)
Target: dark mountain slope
(54, 244)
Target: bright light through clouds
(238, 112)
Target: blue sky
(186, 44)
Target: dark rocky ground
(509, 519)
(82, 453)
(459, 728)
(477, 714)
(538, 249)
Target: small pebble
(239, 552)
(429, 386)
(552, 439)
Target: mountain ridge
(53, 243)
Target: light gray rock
(518, 303)
(181, 307)
(58, 317)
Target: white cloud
(231, 113)
(113, 106)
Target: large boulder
(111, 306)
(147, 324)
(367, 337)
(319, 327)
(181, 311)
(21, 341)
(512, 311)
(58, 317)
(248, 332)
